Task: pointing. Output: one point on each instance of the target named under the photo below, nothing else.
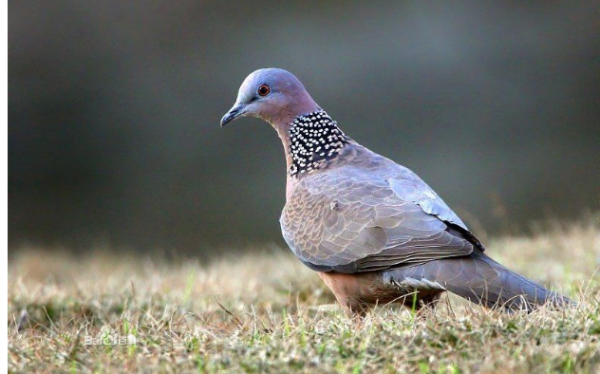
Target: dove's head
(273, 95)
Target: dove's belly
(356, 292)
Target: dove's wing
(356, 219)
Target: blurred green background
(114, 110)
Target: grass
(265, 312)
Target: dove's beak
(235, 112)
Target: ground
(263, 311)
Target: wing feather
(368, 217)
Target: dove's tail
(482, 280)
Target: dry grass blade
(265, 312)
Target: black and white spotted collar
(314, 139)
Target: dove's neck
(311, 141)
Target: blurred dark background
(114, 110)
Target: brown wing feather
(349, 219)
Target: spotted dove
(373, 230)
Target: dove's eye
(263, 90)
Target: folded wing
(349, 220)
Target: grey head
(273, 95)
